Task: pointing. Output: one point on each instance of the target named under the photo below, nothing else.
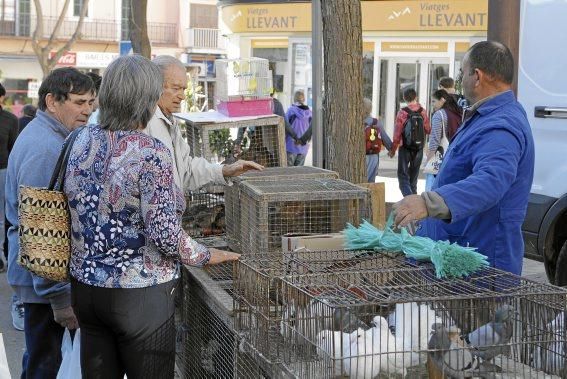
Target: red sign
(68, 59)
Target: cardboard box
(312, 242)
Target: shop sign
(94, 59)
(33, 89)
(419, 15)
(456, 15)
(436, 47)
(68, 59)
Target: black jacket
(8, 134)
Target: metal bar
(550, 112)
(317, 73)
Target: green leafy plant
(221, 142)
(192, 95)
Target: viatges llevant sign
(434, 15)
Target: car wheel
(561, 267)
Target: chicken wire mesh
(208, 345)
(258, 306)
(233, 193)
(261, 140)
(405, 322)
(270, 209)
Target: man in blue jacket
(480, 195)
(65, 103)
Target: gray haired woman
(126, 232)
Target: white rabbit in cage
(339, 346)
(376, 349)
(412, 337)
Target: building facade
(410, 43)
(187, 29)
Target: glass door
(407, 76)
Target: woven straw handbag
(45, 223)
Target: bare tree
(42, 48)
(342, 101)
(139, 28)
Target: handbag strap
(58, 175)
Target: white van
(542, 90)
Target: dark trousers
(126, 331)
(409, 162)
(43, 342)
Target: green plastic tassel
(450, 260)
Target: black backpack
(413, 136)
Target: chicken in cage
(204, 214)
(233, 193)
(271, 209)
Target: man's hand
(240, 167)
(66, 318)
(221, 256)
(410, 208)
(391, 153)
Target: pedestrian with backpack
(445, 121)
(412, 126)
(375, 137)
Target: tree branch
(76, 35)
(58, 24)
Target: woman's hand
(221, 256)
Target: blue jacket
(31, 163)
(485, 180)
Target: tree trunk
(139, 28)
(504, 27)
(342, 100)
(42, 52)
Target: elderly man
(189, 173)
(480, 195)
(65, 103)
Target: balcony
(201, 38)
(93, 30)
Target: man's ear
(50, 102)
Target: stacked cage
(259, 310)
(405, 322)
(243, 86)
(208, 344)
(270, 209)
(233, 193)
(261, 140)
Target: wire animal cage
(258, 306)
(490, 325)
(260, 139)
(270, 209)
(233, 193)
(209, 346)
(204, 213)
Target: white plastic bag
(71, 351)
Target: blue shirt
(31, 163)
(485, 180)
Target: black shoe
(2, 265)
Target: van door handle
(550, 112)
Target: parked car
(542, 90)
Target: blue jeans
(408, 169)
(372, 161)
(43, 342)
(295, 159)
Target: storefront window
(278, 64)
(301, 71)
(367, 73)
